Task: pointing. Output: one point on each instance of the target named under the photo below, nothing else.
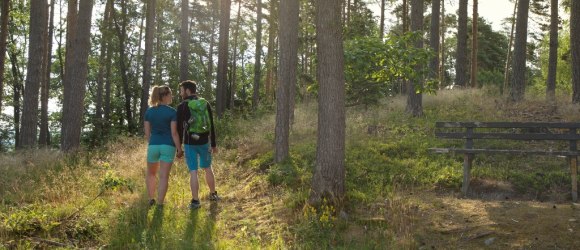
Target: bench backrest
(566, 131)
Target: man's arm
(212, 133)
(180, 119)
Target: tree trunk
(434, 37)
(461, 52)
(382, 24)
(404, 16)
(76, 78)
(234, 70)
(509, 50)
(272, 51)
(3, 37)
(210, 63)
(34, 75)
(575, 49)
(17, 94)
(258, 58)
(148, 57)
(122, 34)
(474, 31)
(415, 100)
(184, 42)
(328, 182)
(553, 57)
(222, 70)
(44, 138)
(442, 48)
(288, 13)
(99, 123)
(518, 88)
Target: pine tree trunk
(506, 74)
(17, 93)
(434, 37)
(461, 52)
(234, 67)
(44, 138)
(553, 57)
(272, 51)
(575, 49)
(147, 57)
(288, 13)
(442, 48)
(328, 182)
(474, 31)
(414, 99)
(101, 73)
(3, 37)
(222, 70)
(258, 58)
(184, 42)
(382, 22)
(76, 78)
(34, 75)
(518, 88)
(122, 34)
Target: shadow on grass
(138, 226)
(199, 232)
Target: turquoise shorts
(192, 152)
(164, 153)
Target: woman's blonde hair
(157, 94)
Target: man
(196, 144)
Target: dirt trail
(445, 221)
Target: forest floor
(399, 196)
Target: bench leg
(574, 175)
(467, 161)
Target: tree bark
(553, 54)
(29, 128)
(184, 42)
(382, 21)
(414, 99)
(3, 38)
(271, 70)
(148, 56)
(442, 48)
(328, 182)
(122, 34)
(575, 49)
(44, 138)
(509, 50)
(474, 31)
(222, 70)
(518, 88)
(434, 37)
(288, 13)
(103, 62)
(17, 93)
(76, 78)
(234, 65)
(258, 57)
(461, 52)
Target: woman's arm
(175, 136)
(147, 129)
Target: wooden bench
(526, 131)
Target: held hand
(179, 153)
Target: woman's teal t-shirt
(160, 119)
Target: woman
(161, 134)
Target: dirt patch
(446, 221)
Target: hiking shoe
(151, 202)
(214, 196)
(194, 204)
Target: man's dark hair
(189, 84)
